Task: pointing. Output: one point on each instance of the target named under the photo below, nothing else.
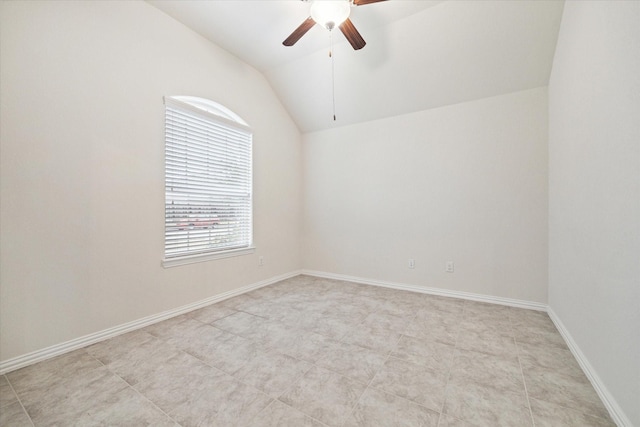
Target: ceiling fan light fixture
(330, 13)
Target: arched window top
(208, 106)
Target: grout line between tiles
(289, 406)
(134, 389)
(382, 365)
(366, 388)
(266, 348)
(455, 351)
(19, 400)
(524, 381)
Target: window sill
(191, 259)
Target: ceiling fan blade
(363, 2)
(350, 32)
(299, 32)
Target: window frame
(221, 116)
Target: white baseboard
(432, 291)
(74, 344)
(616, 412)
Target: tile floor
(316, 352)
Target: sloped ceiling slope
(419, 54)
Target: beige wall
(465, 183)
(594, 198)
(82, 186)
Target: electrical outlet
(260, 260)
(449, 268)
(412, 263)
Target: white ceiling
(420, 54)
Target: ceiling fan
(329, 14)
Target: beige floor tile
(535, 327)
(12, 415)
(440, 316)
(176, 328)
(449, 421)
(255, 328)
(312, 304)
(272, 372)
(306, 346)
(295, 283)
(211, 313)
(486, 342)
(547, 414)
(564, 390)
(500, 372)
(435, 326)
(383, 320)
(335, 326)
(536, 335)
(240, 299)
(299, 300)
(491, 325)
(7, 396)
(347, 311)
(332, 284)
(124, 408)
(498, 316)
(417, 383)
(161, 328)
(47, 373)
(379, 409)
(431, 303)
(324, 395)
(432, 354)
(225, 402)
(143, 361)
(115, 348)
(267, 308)
(378, 339)
(355, 362)
(398, 307)
(371, 300)
(72, 395)
(549, 357)
(193, 335)
(239, 323)
(225, 351)
(524, 317)
(175, 381)
(316, 305)
(378, 292)
(299, 319)
(269, 292)
(271, 332)
(350, 300)
(486, 406)
(277, 414)
(485, 310)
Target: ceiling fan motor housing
(330, 13)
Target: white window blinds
(207, 181)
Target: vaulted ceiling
(420, 54)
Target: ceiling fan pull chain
(333, 78)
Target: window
(207, 182)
